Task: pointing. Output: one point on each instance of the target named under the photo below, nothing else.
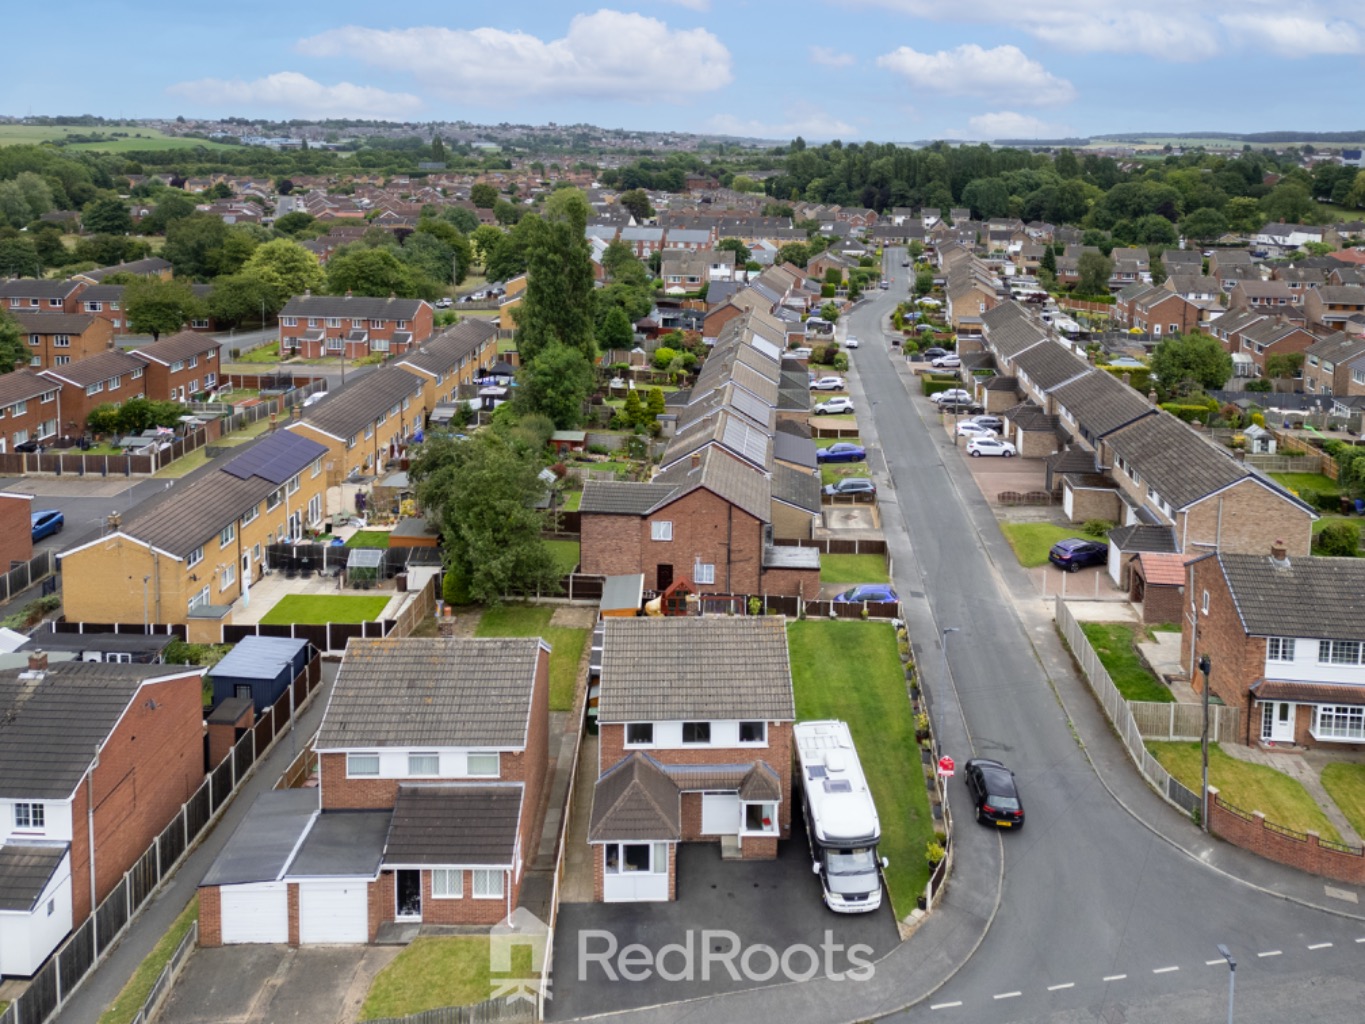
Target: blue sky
(859, 70)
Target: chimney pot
(1279, 552)
(37, 660)
(696, 459)
(1151, 396)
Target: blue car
(1074, 554)
(868, 592)
(47, 523)
(843, 451)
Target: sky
(856, 70)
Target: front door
(408, 895)
(1277, 722)
(663, 576)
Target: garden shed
(260, 667)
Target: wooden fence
(491, 1011)
(25, 574)
(1158, 720)
(834, 545)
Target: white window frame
(356, 760)
(228, 535)
(1352, 729)
(251, 514)
(229, 576)
(1339, 652)
(661, 530)
(705, 573)
(30, 816)
(424, 764)
(196, 556)
(762, 740)
(483, 887)
(1279, 648)
(701, 726)
(447, 883)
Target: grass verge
(1345, 784)
(833, 474)
(1114, 643)
(1032, 541)
(429, 974)
(850, 671)
(566, 644)
(318, 609)
(126, 1005)
(853, 569)
(1252, 787)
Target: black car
(1073, 554)
(994, 793)
(933, 352)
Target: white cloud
(605, 55)
(830, 58)
(1006, 124)
(304, 97)
(808, 122)
(1293, 35)
(971, 70)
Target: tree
(655, 405)
(481, 494)
(1093, 270)
(633, 412)
(220, 190)
(622, 265)
(363, 271)
(295, 224)
(744, 183)
(19, 258)
(237, 298)
(158, 307)
(637, 202)
(106, 217)
(558, 304)
(1339, 540)
(1192, 359)
(485, 240)
(1288, 201)
(13, 351)
(1204, 225)
(193, 245)
(438, 148)
(924, 281)
(1284, 365)
(734, 245)
(286, 266)
(284, 186)
(1049, 262)
(484, 196)
(616, 331)
(795, 253)
(1243, 214)
(829, 311)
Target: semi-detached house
(110, 377)
(29, 410)
(353, 326)
(56, 339)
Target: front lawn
(825, 442)
(369, 539)
(566, 643)
(565, 553)
(1114, 643)
(1032, 541)
(129, 1001)
(830, 474)
(850, 671)
(320, 609)
(853, 569)
(1251, 787)
(1345, 784)
(431, 973)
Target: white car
(950, 360)
(828, 384)
(833, 407)
(969, 429)
(800, 353)
(850, 342)
(979, 446)
(951, 395)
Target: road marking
(1164, 970)
(1058, 988)
(945, 1006)
(1007, 995)
(1214, 963)
(1271, 952)
(1360, 940)
(1321, 945)
(1115, 977)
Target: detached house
(353, 326)
(1331, 306)
(696, 720)
(432, 755)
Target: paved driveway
(772, 903)
(275, 984)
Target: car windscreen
(857, 861)
(1002, 803)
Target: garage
(720, 814)
(334, 911)
(255, 913)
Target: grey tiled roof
(1010, 331)
(679, 669)
(176, 347)
(741, 485)
(35, 322)
(621, 497)
(1048, 366)
(1141, 537)
(21, 385)
(464, 825)
(790, 447)
(1101, 403)
(441, 691)
(1172, 460)
(796, 487)
(96, 368)
(635, 800)
(443, 353)
(1310, 597)
(25, 871)
(49, 729)
(349, 412)
(352, 306)
(37, 288)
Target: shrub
(663, 357)
(598, 448)
(1340, 540)
(1096, 527)
(1260, 384)
(934, 854)
(840, 362)
(827, 291)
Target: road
(1100, 917)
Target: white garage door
(333, 912)
(255, 913)
(720, 814)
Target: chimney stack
(1279, 554)
(1092, 356)
(1127, 378)
(1151, 396)
(696, 459)
(37, 660)
(446, 627)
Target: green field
(138, 138)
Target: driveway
(771, 903)
(275, 984)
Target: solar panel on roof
(276, 458)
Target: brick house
(112, 376)
(151, 266)
(367, 424)
(1160, 312)
(40, 295)
(450, 359)
(184, 559)
(16, 535)
(1271, 296)
(1284, 639)
(353, 326)
(117, 771)
(696, 720)
(56, 339)
(1328, 365)
(428, 818)
(180, 366)
(1331, 306)
(30, 412)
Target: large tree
(238, 298)
(482, 494)
(1191, 361)
(364, 271)
(1092, 271)
(286, 266)
(1204, 225)
(193, 245)
(734, 245)
(556, 383)
(107, 217)
(795, 253)
(616, 331)
(484, 196)
(637, 202)
(558, 304)
(13, 351)
(19, 258)
(158, 307)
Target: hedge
(933, 385)
(1139, 379)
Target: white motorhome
(841, 818)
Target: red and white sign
(946, 767)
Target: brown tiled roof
(635, 800)
(21, 385)
(53, 323)
(1308, 693)
(454, 825)
(96, 368)
(1307, 597)
(1163, 568)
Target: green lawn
(566, 643)
(150, 138)
(1300, 482)
(1345, 784)
(841, 419)
(268, 353)
(1251, 787)
(1113, 642)
(139, 986)
(429, 974)
(318, 609)
(1327, 521)
(565, 553)
(369, 539)
(571, 501)
(825, 442)
(835, 473)
(188, 463)
(1032, 541)
(853, 569)
(849, 670)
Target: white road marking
(1271, 952)
(1321, 945)
(1360, 940)
(1164, 970)
(945, 1006)
(1115, 977)
(1007, 995)
(1214, 963)
(1058, 988)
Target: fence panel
(39, 1000)
(220, 780)
(77, 956)
(111, 916)
(243, 754)
(171, 843)
(198, 810)
(142, 878)
(1170, 721)
(263, 732)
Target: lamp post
(947, 672)
(1205, 665)
(1232, 976)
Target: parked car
(951, 360)
(905, 263)
(884, 284)
(46, 523)
(969, 428)
(979, 446)
(989, 422)
(933, 351)
(833, 406)
(1075, 553)
(951, 395)
(444, 303)
(851, 485)
(994, 793)
(850, 342)
(868, 592)
(959, 406)
(800, 353)
(841, 451)
(29, 446)
(829, 384)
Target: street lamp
(1232, 976)
(1205, 666)
(947, 672)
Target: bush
(664, 356)
(1188, 413)
(1259, 385)
(840, 362)
(827, 291)
(1096, 527)
(598, 448)
(1341, 540)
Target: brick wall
(609, 545)
(292, 899)
(210, 917)
(76, 404)
(381, 893)
(16, 543)
(1035, 444)
(1237, 659)
(1094, 503)
(706, 528)
(1245, 519)
(1305, 854)
(1162, 604)
(803, 582)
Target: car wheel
(1074, 567)
(59, 528)
(976, 455)
(1008, 454)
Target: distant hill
(1261, 138)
